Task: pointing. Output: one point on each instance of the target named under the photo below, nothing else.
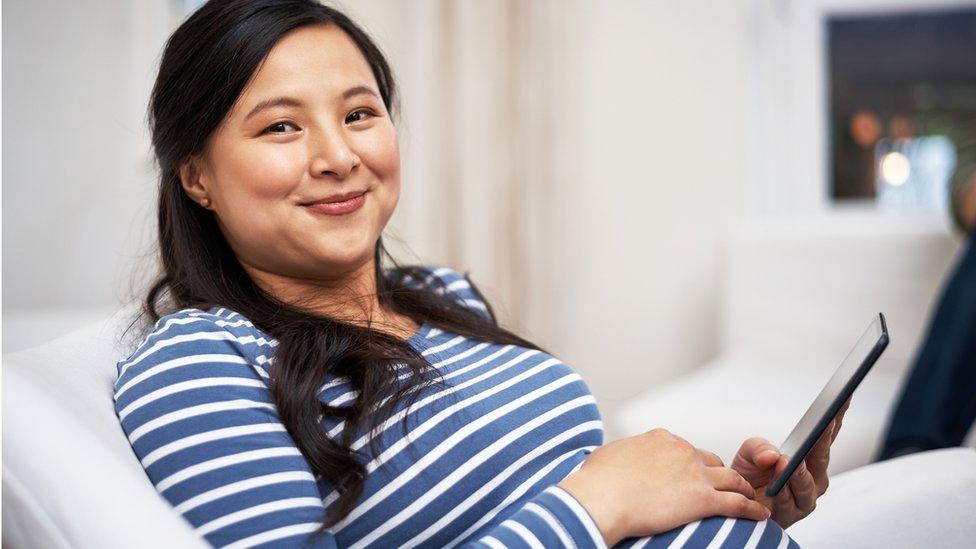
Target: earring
(205, 202)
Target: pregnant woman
(293, 391)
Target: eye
(360, 111)
(279, 125)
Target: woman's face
(310, 125)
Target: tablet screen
(861, 357)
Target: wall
(664, 124)
(649, 167)
(78, 182)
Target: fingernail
(768, 453)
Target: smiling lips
(338, 204)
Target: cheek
(264, 173)
(253, 183)
(381, 152)
(388, 164)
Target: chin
(344, 261)
(346, 247)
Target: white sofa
(70, 478)
(793, 303)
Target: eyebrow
(292, 102)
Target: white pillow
(70, 477)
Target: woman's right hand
(654, 482)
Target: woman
(262, 404)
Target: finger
(818, 453)
(784, 506)
(759, 451)
(767, 458)
(710, 459)
(839, 418)
(731, 504)
(727, 480)
(827, 437)
(819, 458)
(784, 498)
(755, 461)
(818, 470)
(781, 464)
(803, 489)
(847, 404)
(757, 479)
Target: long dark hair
(205, 65)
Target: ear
(192, 180)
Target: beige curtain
(481, 89)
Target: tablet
(840, 387)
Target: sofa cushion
(70, 476)
(918, 500)
(719, 406)
(802, 296)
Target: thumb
(767, 459)
(757, 454)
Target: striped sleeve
(553, 518)
(458, 287)
(195, 407)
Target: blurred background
(697, 205)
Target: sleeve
(202, 422)
(553, 518)
(457, 286)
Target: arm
(201, 421)
(553, 518)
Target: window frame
(789, 102)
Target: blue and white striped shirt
(478, 467)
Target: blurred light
(895, 168)
(865, 128)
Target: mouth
(335, 198)
(337, 204)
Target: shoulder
(447, 282)
(215, 333)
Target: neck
(348, 296)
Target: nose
(331, 155)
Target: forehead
(310, 59)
